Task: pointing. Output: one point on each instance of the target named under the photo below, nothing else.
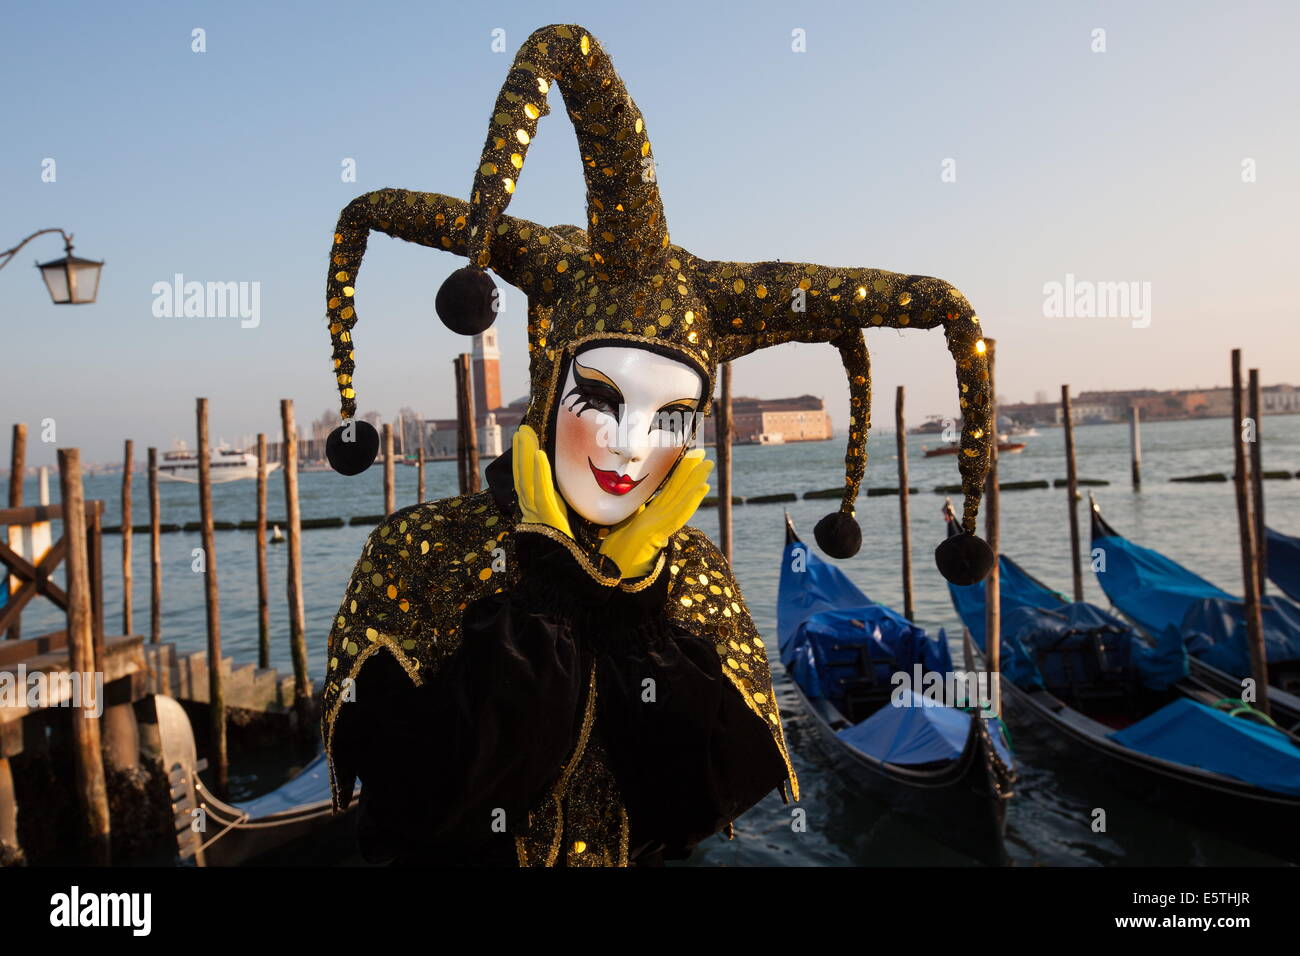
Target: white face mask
(624, 416)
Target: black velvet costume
(493, 728)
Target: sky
(1003, 147)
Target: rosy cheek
(658, 462)
(575, 439)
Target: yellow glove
(533, 484)
(635, 542)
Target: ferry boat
(225, 464)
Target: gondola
(1136, 710)
(1156, 593)
(1283, 561)
(948, 772)
(293, 824)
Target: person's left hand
(636, 541)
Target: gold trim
(550, 397)
(780, 737)
(648, 580)
(622, 833)
(561, 785)
(701, 364)
(412, 671)
(579, 555)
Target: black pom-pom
(964, 558)
(467, 303)
(838, 534)
(355, 456)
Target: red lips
(612, 481)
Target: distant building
(771, 421)
(1100, 407)
(441, 437)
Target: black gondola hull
(958, 802)
(1258, 818)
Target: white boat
(224, 463)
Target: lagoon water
(1050, 818)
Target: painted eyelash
(586, 396)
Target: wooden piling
(297, 615)
(466, 381)
(904, 518)
(462, 481)
(993, 583)
(17, 472)
(127, 576)
(1135, 444)
(1246, 526)
(263, 587)
(88, 760)
(722, 445)
(218, 759)
(1257, 483)
(155, 551)
(390, 491)
(419, 470)
(1072, 490)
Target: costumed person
(559, 670)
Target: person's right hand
(538, 500)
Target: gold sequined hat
(621, 280)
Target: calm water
(1048, 820)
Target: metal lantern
(71, 280)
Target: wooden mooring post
(17, 472)
(1257, 483)
(993, 583)
(467, 446)
(419, 469)
(128, 578)
(263, 588)
(297, 615)
(92, 790)
(722, 444)
(1246, 526)
(1072, 490)
(1135, 444)
(904, 513)
(155, 551)
(390, 490)
(216, 701)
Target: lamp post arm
(7, 255)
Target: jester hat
(621, 281)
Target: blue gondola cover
(1159, 594)
(1189, 732)
(1284, 562)
(1039, 629)
(915, 734)
(825, 621)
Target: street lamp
(70, 280)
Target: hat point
(352, 457)
(839, 534)
(467, 301)
(964, 558)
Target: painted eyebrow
(588, 375)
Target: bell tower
(487, 373)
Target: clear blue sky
(224, 166)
